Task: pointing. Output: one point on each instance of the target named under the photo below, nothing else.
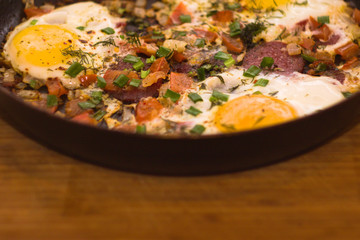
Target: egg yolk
(264, 4)
(250, 112)
(41, 45)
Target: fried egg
(44, 46)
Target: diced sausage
(276, 50)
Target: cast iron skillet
(171, 156)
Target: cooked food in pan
(184, 67)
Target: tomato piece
(111, 75)
(35, 12)
(178, 57)
(160, 65)
(55, 87)
(356, 15)
(208, 35)
(85, 118)
(174, 18)
(314, 24)
(232, 44)
(352, 63)
(147, 110)
(224, 16)
(348, 50)
(307, 43)
(322, 33)
(179, 82)
(87, 80)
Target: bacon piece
(147, 110)
(84, 118)
(348, 50)
(351, 63)
(224, 16)
(55, 87)
(356, 15)
(208, 35)
(178, 57)
(160, 65)
(153, 78)
(129, 94)
(35, 12)
(87, 80)
(147, 49)
(232, 44)
(322, 33)
(179, 82)
(174, 18)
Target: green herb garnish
(131, 59)
(151, 59)
(195, 97)
(185, 18)
(323, 19)
(141, 129)
(229, 62)
(51, 101)
(135, 83)
(121, 81)
(252, 71)
(139, 65)
(144, 74)
(222, 56)
(108, 30)
(174, 96)
(198, 129)
(163, 52)
(87, 105)
(218, 96)
(74, 69)
(33, 22)
(99, 115)
(347, 94)
(308, 58)
(267, 62)
(201, 73)
(101, 82)
(193, 111)
(200, 42)
(261, 82)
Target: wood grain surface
(45, 195)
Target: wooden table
(45, 195)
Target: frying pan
(172, 156)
